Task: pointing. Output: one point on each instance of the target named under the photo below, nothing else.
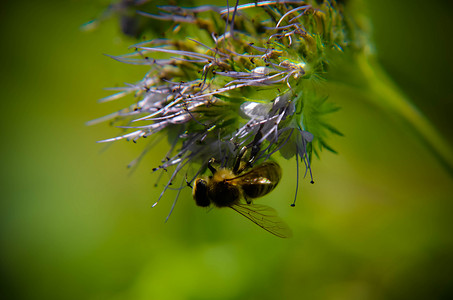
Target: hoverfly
(226, 187)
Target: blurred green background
(75, 224)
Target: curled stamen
(246, 81)
(305, 7)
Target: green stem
(389, 97)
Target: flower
(229, 79)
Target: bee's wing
(265, 217)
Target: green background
(75, 224)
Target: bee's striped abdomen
(261, 180)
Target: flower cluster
(224, 79)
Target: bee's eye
(200, 193)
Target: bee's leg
(210, 167)
(255, 146)
(237, 164)
(248, 201)
(255, 149)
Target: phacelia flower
(225, 79)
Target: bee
(226, 187)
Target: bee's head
(200, 192)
